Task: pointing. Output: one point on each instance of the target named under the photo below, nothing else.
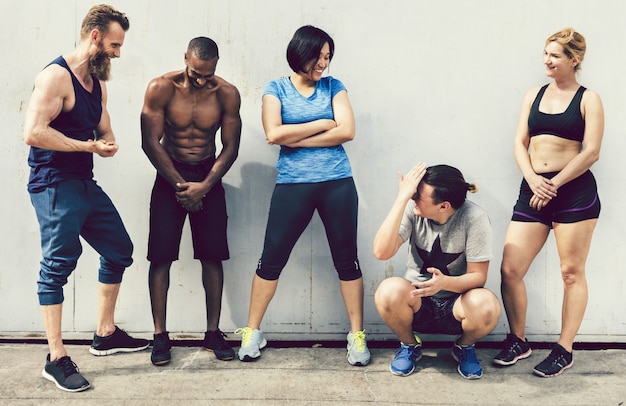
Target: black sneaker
(214, 341)
(161, 347)
(557, 362)
(119, 341)
(64, 373)
(513, 349)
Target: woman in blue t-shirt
(310, 117)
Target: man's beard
(100, 66)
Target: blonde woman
(558, 138)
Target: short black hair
(203, 47)
(306, 45)
(448, 185)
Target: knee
(572, 274)
(389, 294)
(510, 272)
(485, 306)
(491, 310)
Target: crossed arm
(317, 133)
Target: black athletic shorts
(575, 201)
(167, 217)
(436, 316)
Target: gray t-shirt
(465, 237)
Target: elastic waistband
(205, 162)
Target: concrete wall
(438, 81)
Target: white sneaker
(252, 341)
(358, 353)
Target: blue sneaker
(252, 341)
(465, 355)
(406, 356)
(358, 353)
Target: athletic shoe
(406, 356)
(557, 362)
(119, 341)
(64, 373)
(465, 355)
(252, 341)
(513, 350)
(214, 341)
(358, 353)
(161, 347)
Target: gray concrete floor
(308, 376)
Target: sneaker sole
(543, 375)
(471, 376)
(51, 378)
(250, 358)
(514, 360)
(160, 362)
(221, 358)
(100, 353)
(398, 373)
(359, 363)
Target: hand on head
(408, 183)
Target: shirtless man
(181, 114)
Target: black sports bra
(569, 125)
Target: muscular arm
(230, 135)
(52, 92)
(104, 132)
(592, 140)
(158, 93)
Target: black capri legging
(291, 210)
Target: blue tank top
(48, 167)
(569, 125)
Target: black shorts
(436, 316)
(576, 201)
(167, 217)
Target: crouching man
(442, 291)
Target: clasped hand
(190, 195)
(543, 191)
(430, 287)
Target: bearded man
(66, 123)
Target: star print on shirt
(435, 258)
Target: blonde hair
(574, 44)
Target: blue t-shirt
(308, 165)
